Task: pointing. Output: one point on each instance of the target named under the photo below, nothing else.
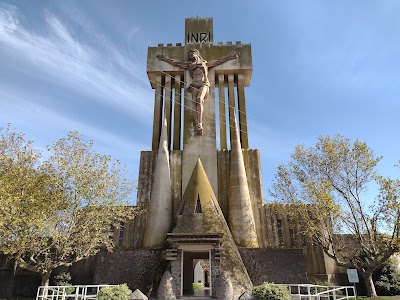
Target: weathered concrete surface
(211, 221)
(247, 295)
(274, 265)
(240, 212)
(223, 289)
(252, 164)
(166, 290)
(175, 161)
(134, 267)
(199, 30)
(223, 180)
(137, 295)
(203, 146)
(251, 159)
(160, 214)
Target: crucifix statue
(200, 86)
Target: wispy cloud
(41, 131)
(58, 57)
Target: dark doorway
(190, 259)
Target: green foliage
(119, 292)
(271, 291)
(64, 279)
(388, 282)
(62, 209)
(328, 185)
(196, 286)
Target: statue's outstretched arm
(216, 62)
(183, 65)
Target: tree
(329, 184)
(58, 211)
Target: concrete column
(175, 163)
(252, 164)
(240, 212)
(222, 115)
(168, 106)
(223, 181)
(242, 112)
(157, 113)
(231, 102)
(200, 146)
(177, 113)
(159, 215)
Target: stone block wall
(134, 267)
(176, 272)
(215, 271)
(274, 265)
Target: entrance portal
(196, 273)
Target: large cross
(170, 84)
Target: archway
(189, 261)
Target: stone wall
(26, 283)
(274, 265)
(135, 267)
(176, 269)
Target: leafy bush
(197, 286)
(388, 282)
(64, 279)
(119, 292)
(271, 291)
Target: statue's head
(194, 54)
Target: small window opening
(198, 205)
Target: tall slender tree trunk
(11, 286)
(371, 292)
(45, 282)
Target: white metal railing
(80, 292)
(312, 292)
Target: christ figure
(200, 86)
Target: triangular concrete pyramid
(137, 295)
(211, 220)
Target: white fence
(80, 292)
(313, 292)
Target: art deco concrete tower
(212, 202)
(201, 184)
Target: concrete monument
(202, 186)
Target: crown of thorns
(193, 51)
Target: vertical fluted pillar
(157, 113)
(222, 115)
(231, 103)
(177, 113)
(242, 112)
(168, 106)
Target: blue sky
(320, 67)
